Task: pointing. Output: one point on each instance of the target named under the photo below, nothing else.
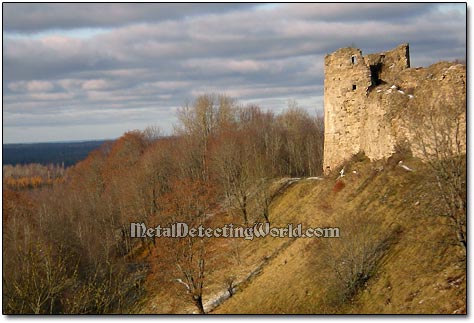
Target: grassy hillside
(420, 269)
(395, 255)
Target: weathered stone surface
(366, 97)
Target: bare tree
(190, 260)
(202, 120)
(354, 258)
(233, 165)
(152, 133)
(38, 283)
(189, 202)
(303, 138)
(230, 284)
(439, 136)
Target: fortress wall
(367, 112)
(347, 78)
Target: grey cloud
(145, 70)
(351, 12)
(35, 17)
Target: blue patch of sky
(446, 7)
(268, 6)
(79, 33)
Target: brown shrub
(338, 186)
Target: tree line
(31, 176)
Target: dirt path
(224, 295)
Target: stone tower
(349, 77)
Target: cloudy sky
(93, 71)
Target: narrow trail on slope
(220, 297)
(224, 295)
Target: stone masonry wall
(366, 97)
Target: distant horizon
(57, 141)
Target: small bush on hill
(338, 186)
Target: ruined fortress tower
(365, 98)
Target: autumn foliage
(217, 161)
(22, 177)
